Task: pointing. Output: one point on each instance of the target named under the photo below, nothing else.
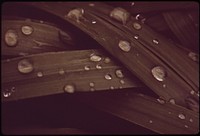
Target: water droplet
(122, 81)
(164, 85)
(119, 73)
(76, 14)
(24, 66)
(87, 67)
(91, 84)
(91, 4)
(41, 21)
(137, 26)
(192, 92)
(150, 121)
(137, 16)
(108, 77)
(94, 22)
(120, 87)
(39, 74)
(27, 30)
(92, 89)
(191, 120)
(98, 66)
(193, 56)
(132, 3)
(161, 101)
(169, 112)
(181, 116)
(95, 58)
(155, 41)
(13, 89)
(6, 94)
(11, 38)
(107, 60)
(172, 101)
(136, 37)
(125, 46)
(112, 87)
(61, 72)
(120, 14)
(186, 126)
(69, 88)
(159, 73)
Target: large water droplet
(11, 38)
(159, 73)
(76, 14)
(108, 77)
(69, 88)
(120, 14)
(119, 73)
(25, 66)
(137, 26)
(125, 46)
(95, 58)
(181, 116)
(27, 30)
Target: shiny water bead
(172, 101)
(164, 85)
(120, 14)
(119, 73)
(140, 18)
(150, 121)
(191, 120)
(108, 77)
(40, 74)
(132, 3)
(6, 94)
(137, 26)
(122, 81)
(11, 38)
(136, 37)
(69, 88)
(13, 89)
(181, 116)
(107, 60)
(94, 22)
(76, 14)
(27, 30)
(25, 66)
(193, 56)
(61, 72)
(98, 66)
(125, 46)
(186, 126)
(91, 84)
(161, 101)
(112, 87)
(159, 73)
(192, 92)
(92, 89)
(95, 58)
(155, 41)
(87, 67)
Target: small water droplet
(41, 21)
(92, 89)
(119, 73)
(122, 81)
(193, 56)
(61, 72)
(120, 14)
(107, 60)
(98, 66)
(150, 121)
(39, 74)
(136, 37)
(164, 85)
(155, 41)
(6, 94)
(169, 112)
(120, 87)
(94, 22)
(13, 89)
(112, 87)
(87, 67)
(181, 116)
(11, 38)
(137, 54)
(108, 77)
(159, 73)
(91, 4)
(76, 14)
(192, 92)
(191, 120)
(137, 26)
(27, 30)
(172, 101)
(91, 84)
(161, 101)
(69, 88)
(186, 126)
(95, 58)
(125, 46)
(25, 66)
(132, 3)
(137, 16)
